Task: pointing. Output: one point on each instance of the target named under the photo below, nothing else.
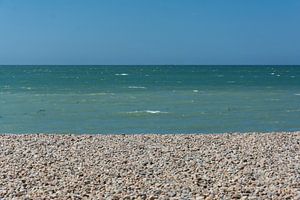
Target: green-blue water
(149, 99)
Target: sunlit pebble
(182, 166)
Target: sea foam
(136, 87)
(123, 74)
(147, 111)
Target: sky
(140, 32)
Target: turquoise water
(149, 99)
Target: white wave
(297, 110)
(95, 94)
(147, 111)
(195, 90)
(123, 74)
(136, 87)
(74, 94)
(297, 94)
(27, 88)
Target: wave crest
(146, 112)
(123, 74)
(136, 87)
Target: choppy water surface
(149, 99)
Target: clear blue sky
(149, 32)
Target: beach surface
(195, 166)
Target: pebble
(150, 166)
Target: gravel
(196, 166)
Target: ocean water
(149, 99)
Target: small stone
(152, 197)
(171, 194)
(115, 198)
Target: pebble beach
(150, 166)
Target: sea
(149, 99)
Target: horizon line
(149, 64)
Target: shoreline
(151, 133)
(150, 166)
